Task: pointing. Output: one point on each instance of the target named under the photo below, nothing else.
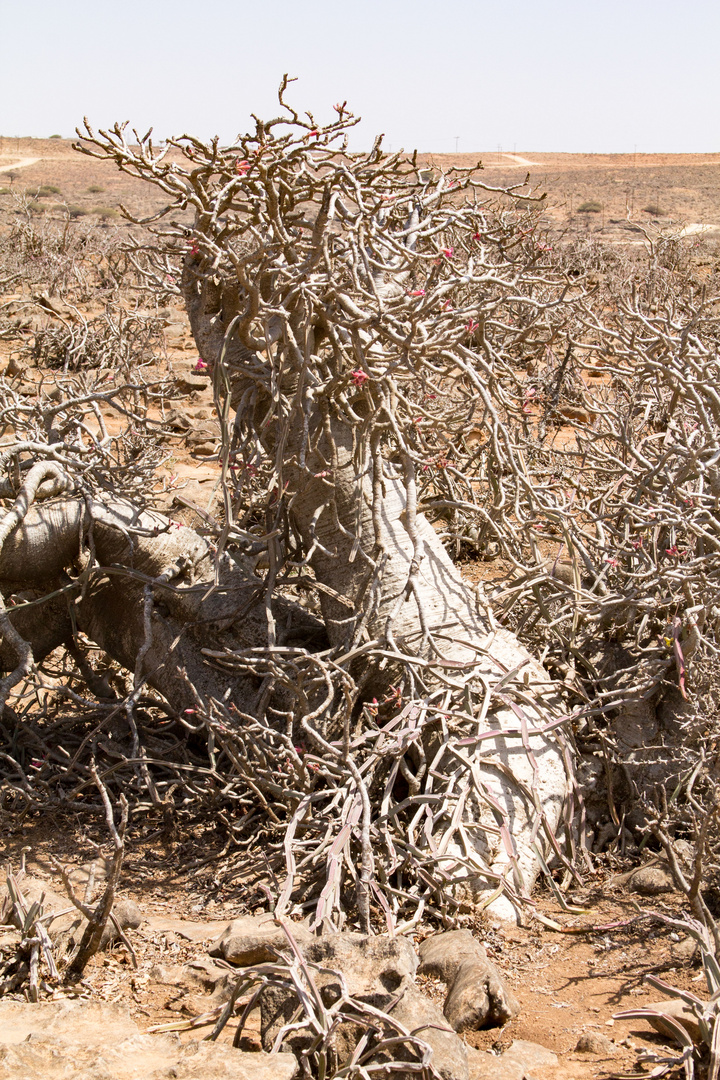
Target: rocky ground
(191, 935)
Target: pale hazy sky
(543, 75)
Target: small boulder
(67, 927)
(57, 1040)
(529, 1055)
(477, 997)
(188, 382)
(128, 917)
(483, 1065)
(677, 1010)
(423, 1018)
(442, 954)
(594, 1042)
(685, 950)
(204, 449)
(206, 975)
(249, 940)
(179, 420)
(376, 971)
(651, 880)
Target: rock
(128, 916)
(73, 1040)
(88, 876)
(422, 1017)
(685, 949)
(197, 438)
(91, 1023)
(442, 954)
(196, 932)
(250, 940)
(187, 382)
(482, 1065)
(571, 412)
(594, 1042)
(369, 964)
(9, 939)
(210, 977)
(678, 1010)
(66, 929)
(477, 997)
(651, 880)
(376, 971)
(179, 420)
(204, 449)
(529, 1056)
(199, 974)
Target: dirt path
(21, 164)
(520, 160)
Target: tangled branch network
(396, 354)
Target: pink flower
(359, 376)
(194, 247)
(448, 252)
(471, 326)
(673, 551)
(610, 561)
(447, 306)
(417, 292)
(241, 167)
(477, 236)
(200, 366)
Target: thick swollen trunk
(519, 779)
(524, 776)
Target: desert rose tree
(361, 315)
